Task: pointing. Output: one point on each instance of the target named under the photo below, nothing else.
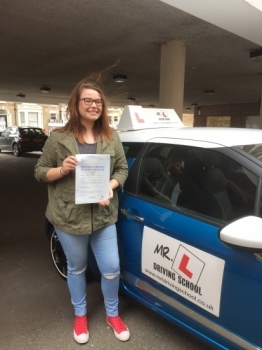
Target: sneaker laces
(80, 325)
(117, 324)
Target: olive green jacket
(61, 210)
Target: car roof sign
(137, 117)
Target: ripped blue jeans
(104, 245)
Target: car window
(199, 181)
(13, 131)
(131, 149)
(39, 131)
(31, 131)
(7, 131)
(4, 132)
(254, 150)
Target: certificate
(92, 178)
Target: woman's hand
(69, 164)
(57, 173)
(106, 202)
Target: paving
(35, 309)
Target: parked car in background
(20, 139)
(190, 226)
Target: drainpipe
(15, 109)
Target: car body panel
(174, 261)
(190, 235)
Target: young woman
(87, 131)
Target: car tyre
(58, 256)
(16, 150)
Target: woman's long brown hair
(101, 126)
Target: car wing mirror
(244, 234)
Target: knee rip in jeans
(111, 276)
(79, 272)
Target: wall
(237, 113)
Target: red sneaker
(120, 329)
(81, 334)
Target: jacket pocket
(108, 214)
(69, 211)
(106, 211)
(63, 152)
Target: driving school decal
(192, 273)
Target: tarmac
(35, 308)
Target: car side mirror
(244, 234)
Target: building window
(33, 119)
(252, 122)
(3, 120)
(219, 122)
(30, 114)
(22, 118)
(29, 118)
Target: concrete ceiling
(57, 43)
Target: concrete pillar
(172, 76)
(260, 118)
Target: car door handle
(133, 216)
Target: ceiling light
(209, 92)
(256, 56)
(45, 89)
(119, 78)
(20, 95)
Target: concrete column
(260, 118)
(172, 76)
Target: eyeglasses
(90, 101)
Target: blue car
(190, 226)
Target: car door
(10, 136)
(172, 259)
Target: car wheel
(16, 150)
(58, 255)
(59, 258)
